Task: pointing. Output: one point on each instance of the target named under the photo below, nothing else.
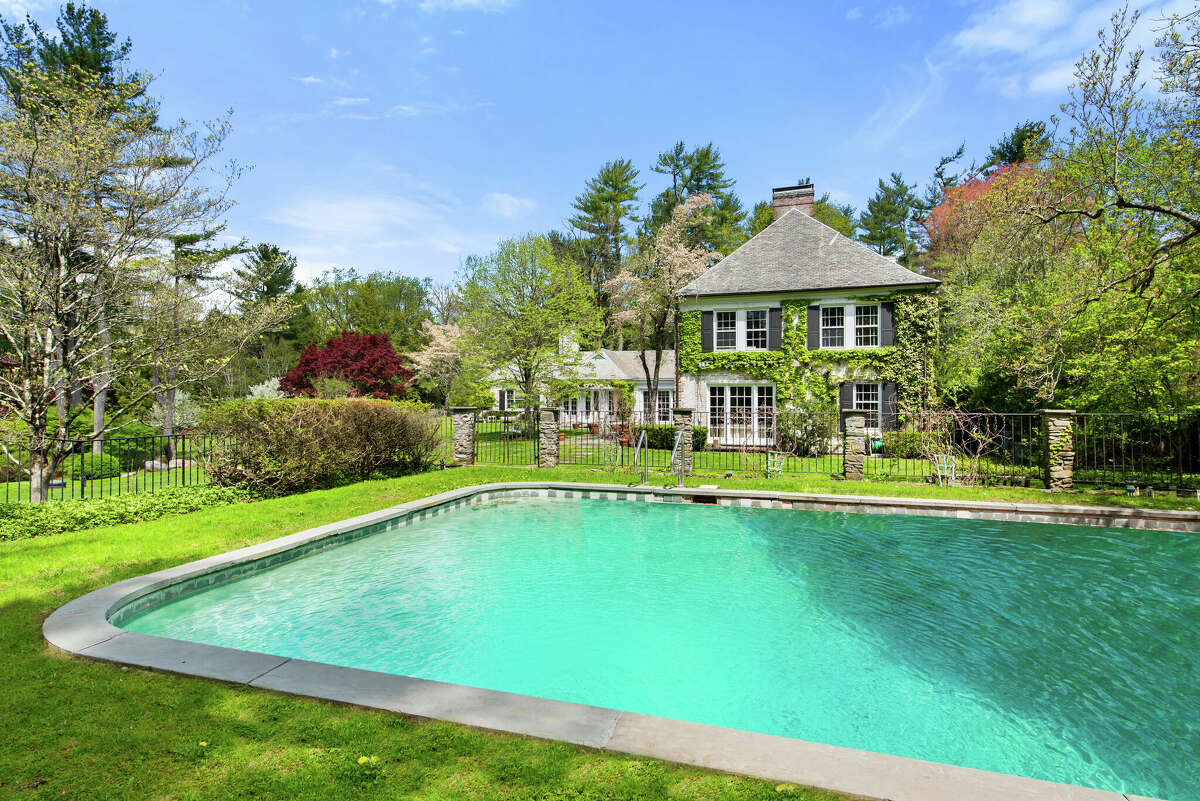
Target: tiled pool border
(85, 627)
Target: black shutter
(814, 327)
(706, 331)
(888, 419)
(846, 395)
(887, 329)
(774, 329)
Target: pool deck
(83, 627)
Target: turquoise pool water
(1057, 652)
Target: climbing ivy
(804, 376)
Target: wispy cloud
(506, 206)
(308, 80)
(15, 10)
(350, 101)
(894, 14)
(336, 53)
(900, 106)
(431, 6)
(854, 13)
(332, 230)
(1030, 46)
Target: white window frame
(866, 405)
(718, 330)
(833, 328)
(766, 324)
(868, 331)
(850, 328)
(721, 424)
(507, 399)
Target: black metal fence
(1160, 450)
(109, 466)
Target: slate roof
(798, 253)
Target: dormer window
(726, 330)
(833, 327)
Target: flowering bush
(367, 363)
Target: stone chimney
(788, 197)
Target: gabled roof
(621, 365)
(798, 253)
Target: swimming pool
(1055, 652)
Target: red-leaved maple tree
(367, 362)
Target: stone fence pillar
(854, 443)
(463, 419)
(683, 424)
(1058, 448)
(548, 437)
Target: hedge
(662, 436)
(22, 520)
(275, 446)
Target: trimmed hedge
(92, 465)
(279, 446)
(662, 436)
(22, 520)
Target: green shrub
(21, 520)
(662, 436)
(279, 446)
(902, 444)
(92, 465)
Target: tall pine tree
(603, 210)
(889, 220)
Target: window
(716, 409)
(756, 329)
(741, 414)
(587, 403)
(866, 399)
(662, 411)
(726, 330)
(866, 326)
(571, 405)
(765, 409)
(508, 399)
(833, 327)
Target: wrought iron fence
(107, 466)
(507, 438)
(1152, 449)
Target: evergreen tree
(888, 222)
(761, 216)
(1026, 142)
(695, 172)
(603, 209)
(267, 272)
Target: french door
(742, 414)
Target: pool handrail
(674, 450)
(645, 457)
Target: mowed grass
(80, 729)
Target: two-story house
(802, 317)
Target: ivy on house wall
(802, 376)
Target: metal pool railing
(1157, 449)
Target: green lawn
(80, 729)
(128, 484)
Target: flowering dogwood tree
(645, 291)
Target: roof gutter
(930, 284)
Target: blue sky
(403, 135)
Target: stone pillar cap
(1057, 411)
(683, 410)
(464, 408)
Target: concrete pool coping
(83, 627)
